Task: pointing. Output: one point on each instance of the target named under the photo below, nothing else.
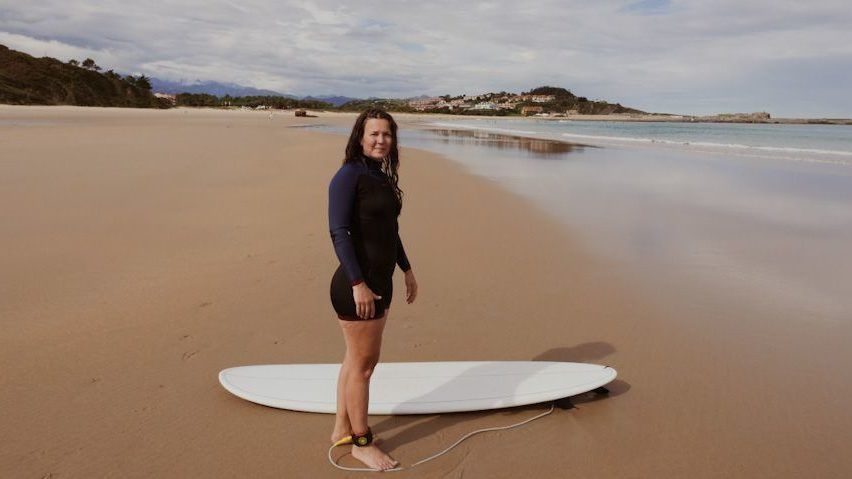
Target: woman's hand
(410, 286)
(365, 308)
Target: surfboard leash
(348, 440)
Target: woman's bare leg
(363, 346)
(342, 427)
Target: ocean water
(733, 217)
(811, 143)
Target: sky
(789, 58)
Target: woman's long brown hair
(355, 152)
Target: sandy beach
(141, 252)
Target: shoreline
(648, 118)
(148, 252)
(615, 117)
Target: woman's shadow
(414, 427)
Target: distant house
(531, 110)
(459, 104)
(422, 104)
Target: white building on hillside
(485, 105)
(542, 98)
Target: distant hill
(211, 88)
(26, 80)
(389, 104)
(334, 100)
(564, 100)
(231, 89)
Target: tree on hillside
(196, 99)
(143, 82)
(90, 64)
(552, 90)
(73, 62)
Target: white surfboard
(418, 388)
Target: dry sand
(143, 251)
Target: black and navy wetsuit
(362, 217)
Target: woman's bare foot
(342, 428)
(373, 457)
(339, 434)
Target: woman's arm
(401, 257)
(405, 266)
(341, 201)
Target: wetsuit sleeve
(401, 258)
(341, 202)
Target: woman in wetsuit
(364, 203)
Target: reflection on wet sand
(538, 147)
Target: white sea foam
(711, 144)
(808, 155)
(803, 153)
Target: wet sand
(143, 251)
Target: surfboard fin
(565, 403)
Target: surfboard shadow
(412, 428)
(584, 353)
(581, 353)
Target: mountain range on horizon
(221, 89)
(210, 87)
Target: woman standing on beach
(364, 203)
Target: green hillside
(564, 100)
(26, 80)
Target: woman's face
(377, 140)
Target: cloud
(657, 55)
(649, 7)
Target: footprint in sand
(187, 355)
